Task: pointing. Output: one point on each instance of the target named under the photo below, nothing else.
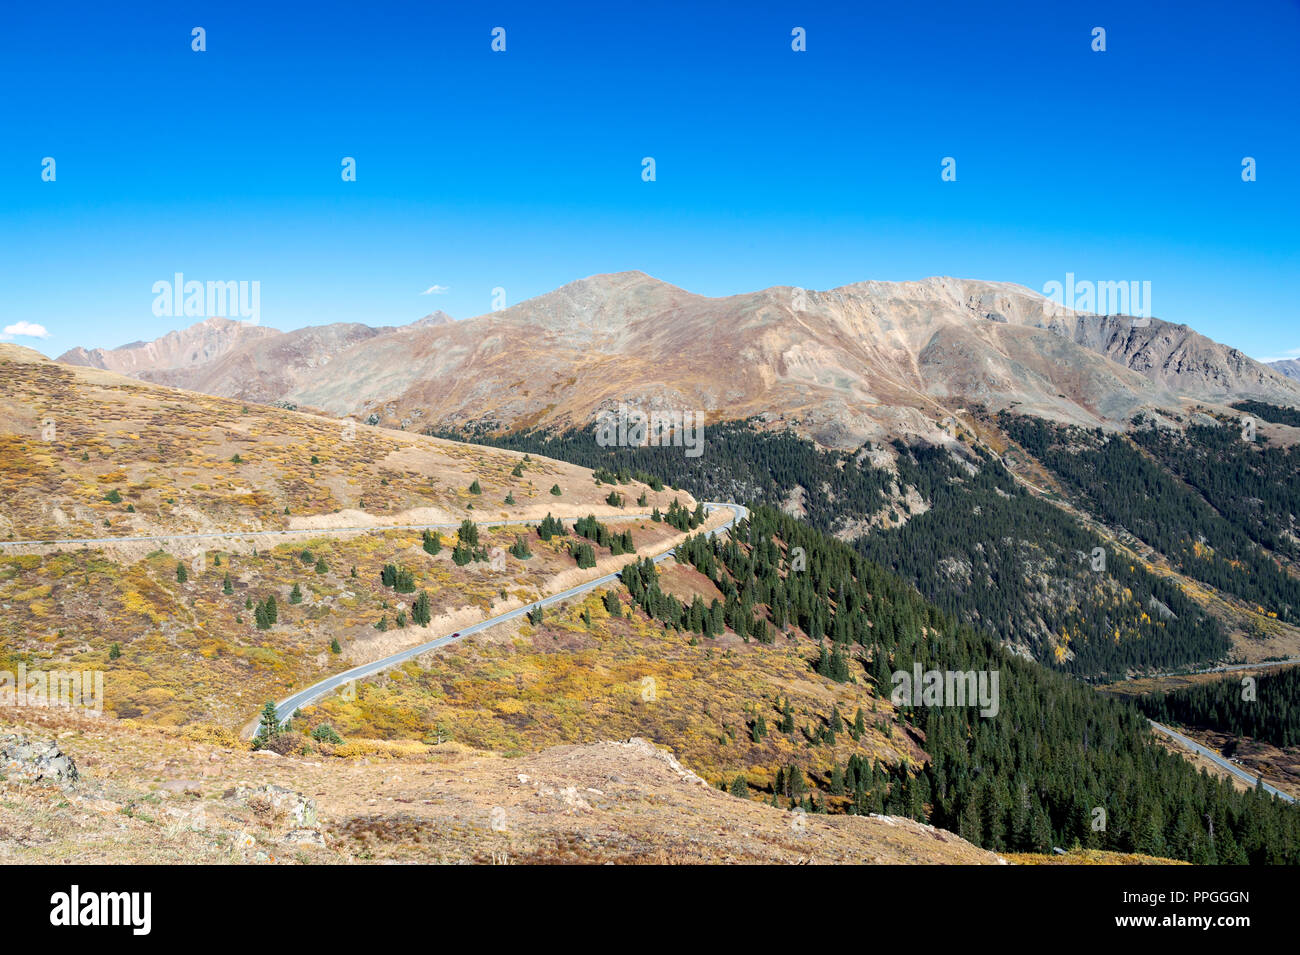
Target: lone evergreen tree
(269, 726)
(420, 611)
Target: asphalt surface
(1218, 760)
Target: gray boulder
(38, 760)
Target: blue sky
(522, 169)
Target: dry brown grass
(625, 802)
(519, 689)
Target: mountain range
(866, 361)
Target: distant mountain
(435, 318)
(190, 348)
(866, 361)
(1287, 366)
(267, 369)
(870, 360)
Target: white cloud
(25, 329)
(436, 290)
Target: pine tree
(420, 610)
(181, 574)
(269, 725)
(583, 554)
(787, 718)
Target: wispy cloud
(26, 330)
(1290, 353)
(436, 290)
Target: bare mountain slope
(193, 347)
(267, 369)
(869, 360)
(864, 361)
(1287, 366)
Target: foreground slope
(149, 795)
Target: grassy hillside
(90, 454)
(173, 620)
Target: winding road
(1205, 751)
(1218, 760)
(1223, 669)
(286, 707)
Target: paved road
(1208, 753)
(309, 531)
(1223, 669)
(285, 708)
(1218, 760)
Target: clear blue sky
(523, 169)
